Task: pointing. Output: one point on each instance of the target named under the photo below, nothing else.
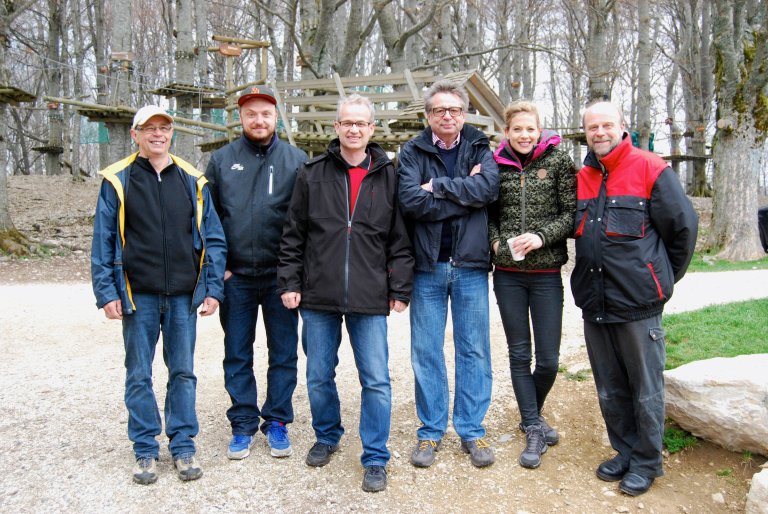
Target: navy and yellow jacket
(107, 275)
(635, 233)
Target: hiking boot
(550, 434)
(612, 470)
(535, 446)
(145, 471)
(374, 479)
(320, 454)
(240, 446)
(187, 468)
(277, 438)
(634, 485)
(480, 452)
(424, 454)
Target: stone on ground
(722, 400)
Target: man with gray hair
(447, 178)
(345, 256)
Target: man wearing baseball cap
(158, 254)
(251, 183)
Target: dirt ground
(63, 443)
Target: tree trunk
(121, 78)
(96, 18)
(185, 73)
(740, 85)
(10, 239)
(445, 45)
(644, 55)
(55, 118)
(597, 57)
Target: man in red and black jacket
(635, 234)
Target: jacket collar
(506, 156)
(613, 158)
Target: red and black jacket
(635, 233)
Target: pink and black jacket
(635, 233)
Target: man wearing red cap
(158, 254)
(252, 180)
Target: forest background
(690, 75)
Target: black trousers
(627, 362)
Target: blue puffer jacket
(460, 201)
(108, 278)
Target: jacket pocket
(580, 218)
(625, 217)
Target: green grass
(707, 262)
(676, 439)
(717, 331)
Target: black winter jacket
(460, 201)
(251, 190)
(635, 234)
(341, 261)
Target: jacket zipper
(271, 173)
(163, 228)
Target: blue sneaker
(277, 437)
(240, 446)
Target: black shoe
(374, 479)
(550, 434)
(320, 454)
(634, 484)
(535, 446)
(612, 470)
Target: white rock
(718, 498)
(757, 499)
(722, 400)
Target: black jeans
(627, 362)
(541, 295)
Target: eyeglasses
(163, 129)
(453, 111)
(346, 125)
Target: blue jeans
(238, 316)
(321, 337)
(141, 329)
(467, 290)
(541, 294)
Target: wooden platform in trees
(308, 107)
(14, 96)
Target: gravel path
(63, 444)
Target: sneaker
(145, 471)
(277, 438)
(240, 446)
(424, 454)
(320, 454)
(480, 452)
(535, 446)
(374, 479)
(187, 468)
(550, 434)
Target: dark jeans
(174, 316)
(541, 295)
(628, 365)
(238, 316)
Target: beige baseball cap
(146, 112)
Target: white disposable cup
(516, 256)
